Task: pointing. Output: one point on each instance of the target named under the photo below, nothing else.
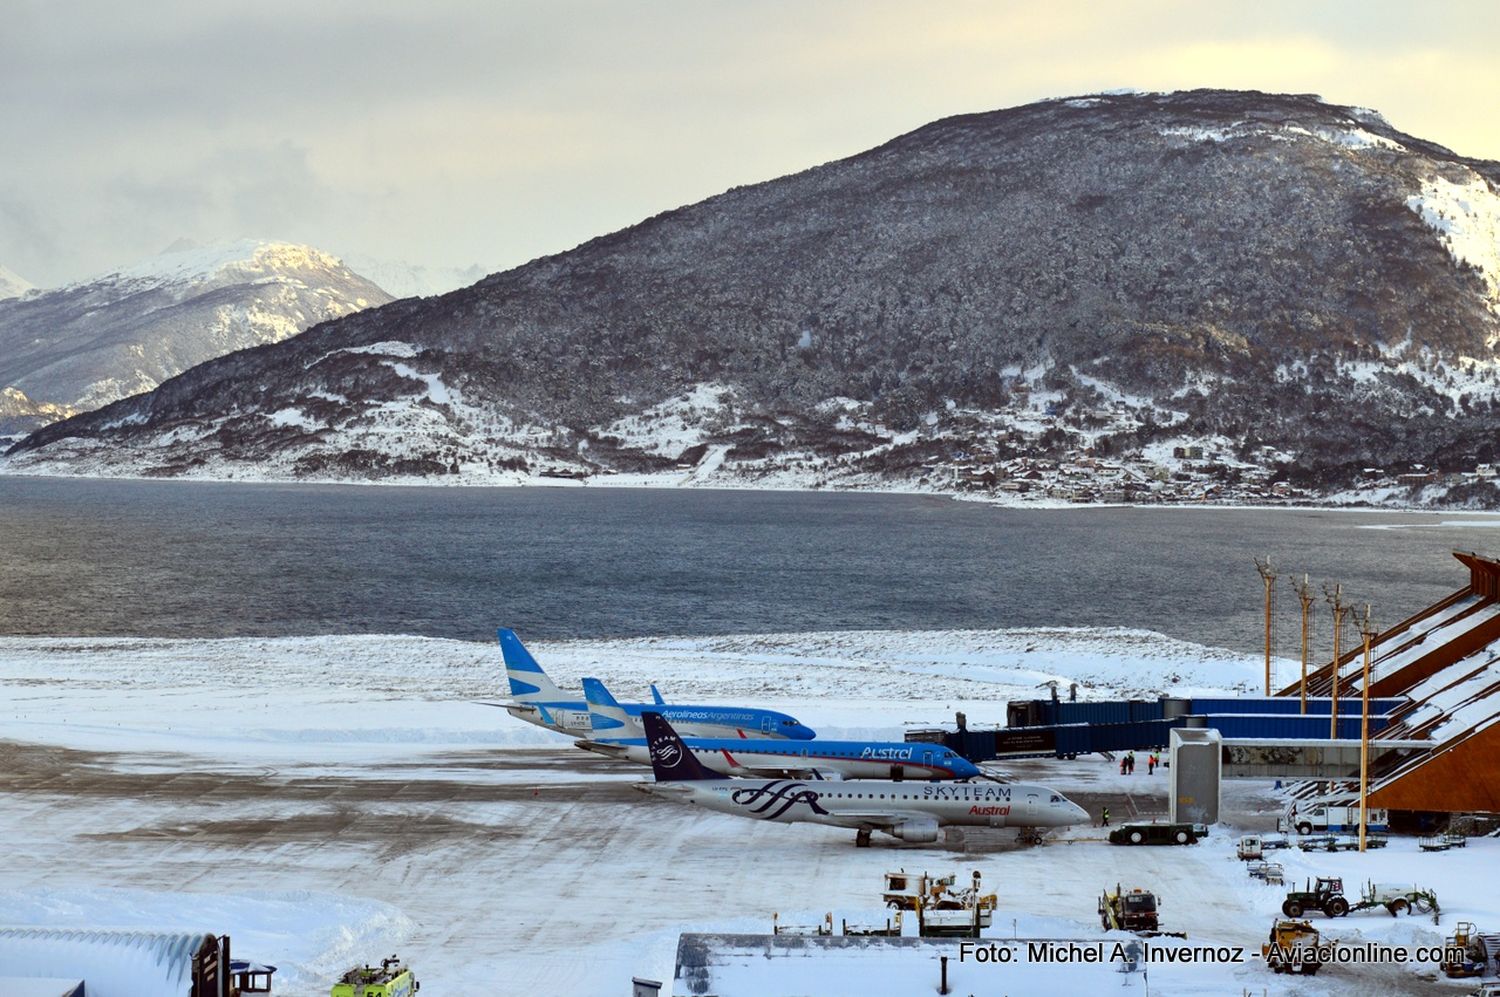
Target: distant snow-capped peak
(246, 259)
(12, 284)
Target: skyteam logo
(773, 799)
(666, 753)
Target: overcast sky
(451, 132)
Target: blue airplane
(536, 700)
(617, 734)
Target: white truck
(1321, 817)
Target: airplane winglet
(656, 696)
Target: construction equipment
(1135, 911)
(1327, 895)
(1294, 947)
(391, 979)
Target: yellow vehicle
(1294, 947)
(390, 979)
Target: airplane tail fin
(527, 680)
(656, 696)
(606, 715)
(670, 758)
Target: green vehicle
(391, 979)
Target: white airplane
(910, 811)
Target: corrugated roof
(112, 963)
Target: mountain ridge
(1111, 273)
(119, 333)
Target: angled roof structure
(1446, 661)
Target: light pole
(1268, 575)
(1304, 596)
(1335, 596)
(1367, 631)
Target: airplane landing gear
(862, 838)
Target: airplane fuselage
(845, 759)
(572, 717)
(879, 804)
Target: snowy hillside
(122, 333)
(1202, 296)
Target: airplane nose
(1080, 815)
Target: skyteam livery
(910, 811)
(536, 700)
(766, 757)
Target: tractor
(1326, 895)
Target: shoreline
(676, 482)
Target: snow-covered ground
(327, 800)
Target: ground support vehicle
(1442, 842)
(1132, 910)
(1155, 834)
(390, 979)
(1293, 948)
(1332, 818)
(1271, 873)
(1464, 953)
(1327, 895)
(941, 910)
(1340, 842)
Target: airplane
(537, 701)
(619, 735)
(908, 811)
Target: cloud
(460, 131)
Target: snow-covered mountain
(21, 415)
(1126, 297)
(122, 333)
(13, 285)
(412, 280)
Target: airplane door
(1031, 806)
(767, 726)
(929, 759)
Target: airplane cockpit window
(1056, 798)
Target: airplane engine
(922, 831)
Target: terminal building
(1434, 716)
(1444, 665)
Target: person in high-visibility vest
(1104, 818)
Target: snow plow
(1134, 910)
(1327, 895)
(1294, 947)
(390, 979)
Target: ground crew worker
(1104, 818)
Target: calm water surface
(184, 558)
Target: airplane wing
(601, 747)
(876, 819)
(787, 772)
